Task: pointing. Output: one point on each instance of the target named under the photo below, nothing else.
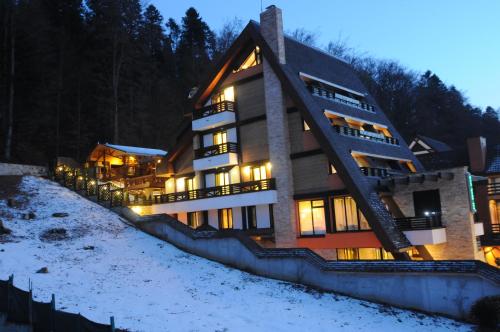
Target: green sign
(472, 197)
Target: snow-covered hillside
(103, 267)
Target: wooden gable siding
(311, 175)
(250, 99)
(253, 141)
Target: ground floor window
(347, 215)
(363, 254)
(494, 212)
(251, 216)
(225, 219)
(194, 219)
(312, 218)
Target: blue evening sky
(458, 40)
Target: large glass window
(226, 94)
(363, 254)
(225, 219)
(259, 173)
(347, 215)
(251, 215)
(195, 219)
(220, 137)
(312, 217)
(253, 59)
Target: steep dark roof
(445, 159)
(436, 145)
(338, 148)
(492, 159)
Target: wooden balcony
(215, 150)
(330, 95)
(379, 138)
(146, 181)
(231, 189)
(224, 106)
(419, 223)
(494, 189)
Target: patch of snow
(137, 150)
(106, 268)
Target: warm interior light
(136, 209)
(269, 166)
(246, 170)
(229, 93)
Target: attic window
(253, 59)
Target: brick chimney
(271, 28)
(476, 147)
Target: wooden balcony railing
(419, 223)
(214, 150)
(151, 180)
(231, 189)
(347, 131)
(224, 106)
(324, 93)
(495, 228)
(494, 189)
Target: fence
(43, 317)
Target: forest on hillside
(75, 72)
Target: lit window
(253, 59)
(226, 94)
(347, 215)
(225, 219)
(194, 219)
(312, 217)
(305, 126)
(363, 254)
(222, 179)
(220, 138)
(259, 173)
(332, 169)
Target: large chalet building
(285, 143)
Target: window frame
(229, 214)
(312, 207)
(358, 216)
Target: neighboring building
(423, 145)
(284, 142)
(136, 169)
(483, 161)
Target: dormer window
(253, 59)
(225, 95)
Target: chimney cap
(270, 7)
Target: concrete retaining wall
(19, 169)
(447, 287)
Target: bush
(486, 312)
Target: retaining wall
(20, 169)
(443, 287)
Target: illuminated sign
(472, 197)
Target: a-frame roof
(303, 59)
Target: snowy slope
(149, 285)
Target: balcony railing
(231, 189)
(324, 93)
(214, 150)
(152, 180)
(495, 228)
(494, 189)
(224, 106)
(347, 131)
(419, 223)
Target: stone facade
(456, 215)
(285, 227)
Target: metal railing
(224, 106)
(324, 93)
(231, 189)
(214, 150)
(495, 228)
(374, 171)
(347, 131)
(419, 223)
(494, 189)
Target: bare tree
(227, 35)
(304, 36)
(10, 111)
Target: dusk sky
(458, 40)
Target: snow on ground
(149, 285)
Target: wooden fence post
(30, 305)
(112, 323)
(10, 284)
(53, 313)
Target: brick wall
(456, 216)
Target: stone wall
(456, 215)
(19, 169)
(446, 287)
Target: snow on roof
(137, 150)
